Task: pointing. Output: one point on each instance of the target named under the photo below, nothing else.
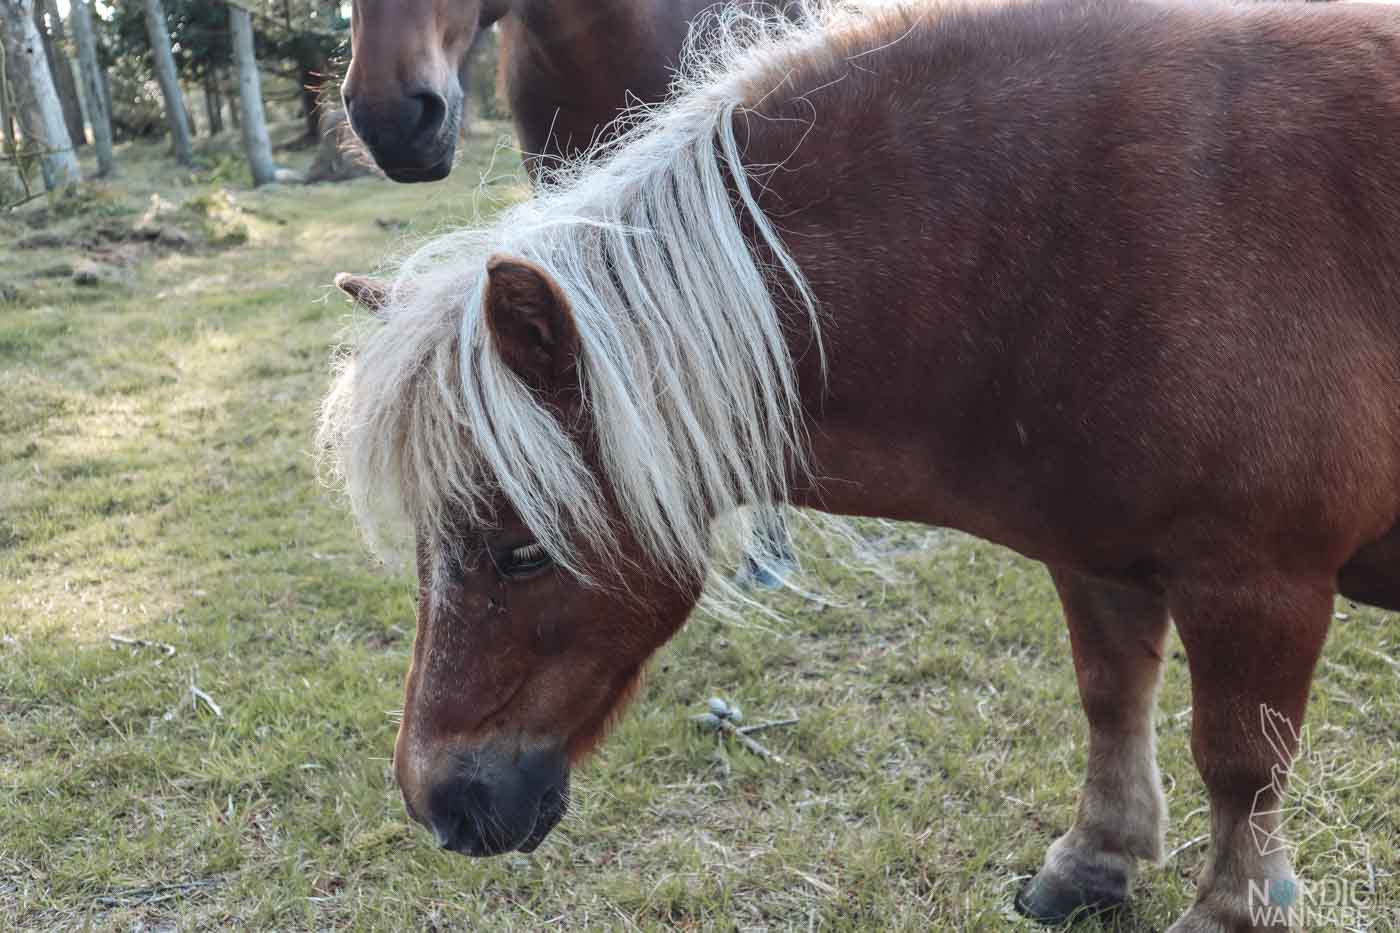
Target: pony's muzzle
(488, 802)
(406, 135)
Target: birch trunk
(164, 57)
(250, 101)
(93, 90)
(61, 68)
(9, 83)
(40, 113)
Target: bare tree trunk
(8, 84)
(61, 68)
(40, 114)
(311, 78)
(93, 91)
(250, 100)
(164, 58)
(11, 173)
(213, 104)
(233, 108)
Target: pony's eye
(524, 560)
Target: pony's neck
(881, 430)
(571, 66)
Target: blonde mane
(686, 376)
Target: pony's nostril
(432, 111)
(454, 830)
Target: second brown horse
(570, 67)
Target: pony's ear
(366, 292)
(530, 324)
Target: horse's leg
(1117, 636)
(1252, 645)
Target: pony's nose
(462, 816)
(404, 134)
(487, 806)
(398, 122)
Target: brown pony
(569, 67)
(1115, 284)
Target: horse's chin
(412, 174)
(431, 162)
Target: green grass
(156, 482)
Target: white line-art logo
(1311, 813)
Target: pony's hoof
(1056, 902)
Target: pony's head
(520, 662)
(553, 411)
(523, 656)
(403, 91)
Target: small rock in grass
(91, 273)
(87, 272)
(173, 237)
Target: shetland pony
(1112, 283)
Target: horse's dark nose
(487, 804)
(405, 134)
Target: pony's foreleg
(1117, 636)
(1252, 645)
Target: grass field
(156, 483)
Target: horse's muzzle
(412, 138)
(489, 803)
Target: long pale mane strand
(684, 368)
